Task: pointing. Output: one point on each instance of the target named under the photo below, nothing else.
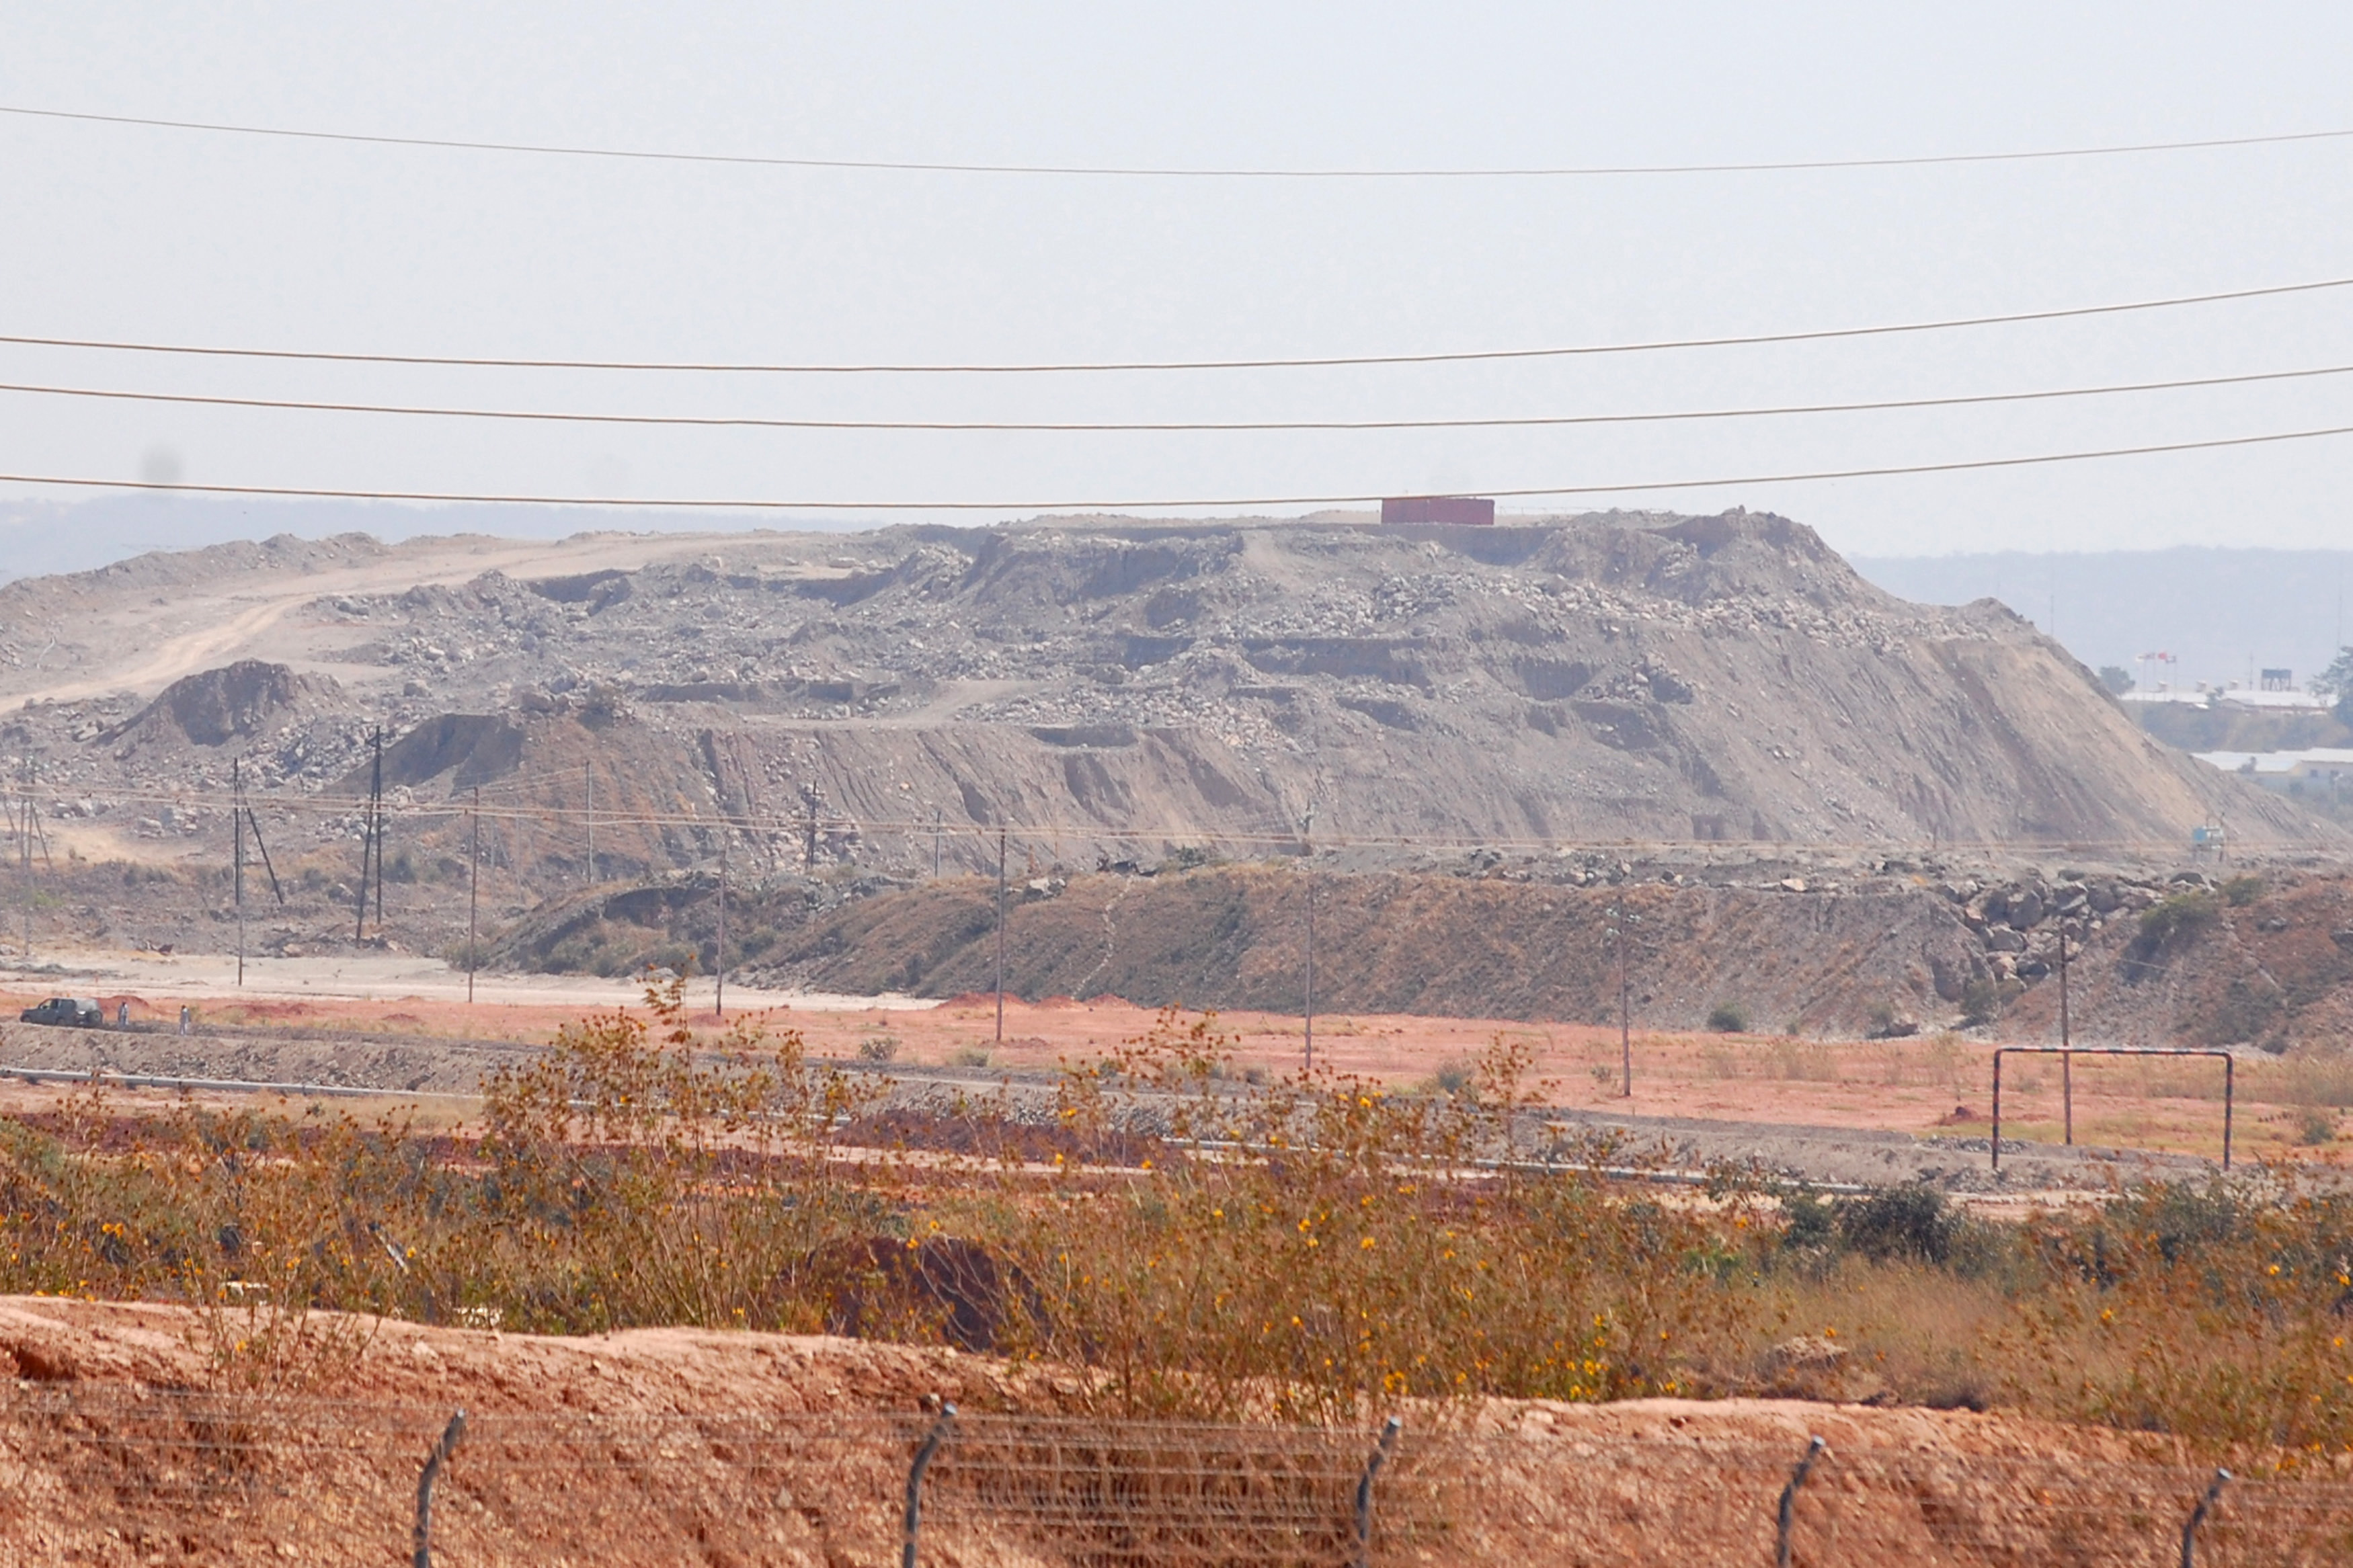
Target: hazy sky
(121, 231)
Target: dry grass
(1310, 1247)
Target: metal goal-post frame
(2067, 1053)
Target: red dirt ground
(686, 1446)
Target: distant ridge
(2217, 610)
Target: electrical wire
(1144, 504)
(1456, 356)
(786, 825)
(1095, 171)
(1165, 427)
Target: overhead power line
(1148, 426)
(1159, 503)
(788, 823)
(1166, 172)
(1453, 356)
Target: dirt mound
(2183, 957)
(669, 1446)
(477, 748)
(1235, 937)
(237, 702)
(1113, 692)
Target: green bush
(2183, 915)
(2241, 891)
(1980, 1003)
(1729, 1018)
(1812, 1223)
(1910, 1221)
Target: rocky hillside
(1884, 948)
(1111, 691)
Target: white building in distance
(2324, 770)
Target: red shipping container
(1466, 510)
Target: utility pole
(236, 854)
(261, 847)
(1000, 936)
(473, 893)
(589, 773)
(808, 843)
(718, 1005)
(1307, 845)
(939, 820)
(1311, 972)
(1625, 1024)
(2066, 1058)
(372, 843)
(24, 831)
(378, 787)
(24, 834)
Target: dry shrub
(627, 1184)
(2218, 1315)
(618, 1181)
(1311, 1248)
(1323, 1246)
(2313, 1077)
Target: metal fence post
(1380, 1456)
(2229, 1096)
(434, 1460)
(1788, 1515)
(914, 1518)
(2198, 1517)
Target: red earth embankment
(688, 1446)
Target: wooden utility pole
(1307, 847)
(589, 773)
(24, 834)
(261, 848)
(718, 1005)
(378, 783)
(1000, 936)
(808, 842)
(1311, 973)
(372, 843)
(236, 854)
(473, 893)
(2066, 1058)
(939, 820)
(1625, 1024)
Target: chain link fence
(107, 1474)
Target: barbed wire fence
(212, 1476)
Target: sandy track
(243, 614)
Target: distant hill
(39, 538)
(1107, 688)
(2219, 612)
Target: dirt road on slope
(143, 642)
